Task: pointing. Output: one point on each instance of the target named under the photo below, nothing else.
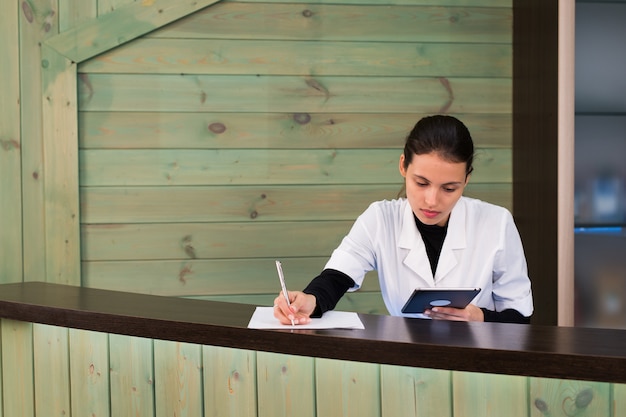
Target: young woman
(434, 237)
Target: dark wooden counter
(515, 349)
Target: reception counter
(495, 348)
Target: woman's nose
(431, 196)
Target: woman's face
(433, 186)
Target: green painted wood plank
(121, 25)
(211, 240)
(107, 6)
(17, 368)
(264, 167)
(206, 277)
(293, 94)
(52, 370)
(340, 22)
(563, 398)
(148, 130)
(209, 56)
(178, 379)
(89, 373)
(132, 376)
(415, 392)
(101, 205)
(73, 13)
(10, 148)
(60, 153)
(285, 385)
(38, 20)
(490, 3)
(230, 382)
(347, 388)
(489, 395)
(619, 396)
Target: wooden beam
(122, 25)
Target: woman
(434, 237)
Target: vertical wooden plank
(415, 392)
(17, 368)
(489, 395)
(565, 398)
(89, 373)
(52, 370)
(619, 398)
(38, 21)
(229, 382)
(285, 385)
(60, 151)
(178, 379)
(347, 388)
(106, 6)
(10, 148)
(132, 376)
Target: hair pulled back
(444, 135)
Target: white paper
(263, 318)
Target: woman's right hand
(300, 310)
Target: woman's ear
(401, 166)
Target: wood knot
(583, 398)
(541, 405)
(302, 118)
(217, 128)
(307, 13)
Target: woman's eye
(421, 184)
(449, 190)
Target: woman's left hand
(469, 313)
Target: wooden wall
(252, 131)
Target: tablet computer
(425, 298)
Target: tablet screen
(425, 298)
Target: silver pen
(281, 277)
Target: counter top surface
(515, 349)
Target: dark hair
(445, 135)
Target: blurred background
(600, 164)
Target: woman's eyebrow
(428, 181)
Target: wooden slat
(488, 395)
(141, 130)
(89, 373)
(132, 376)
(348, 389)
(10, 148)
(247, 203)
(487, 3)
(569, 398)
(262, 167)
(293, 94)
(206, 277)
(339, 22)
(285, 385)
(209, 56)
(17, 369)
(60, 153)
(619, 395)
(178, 379)
(38, 20)
(107, 6)
(415, 392)
(229, 382)
(73, 13)
(52, 369)
(211, 240)
(120, 26)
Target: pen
(281, 277)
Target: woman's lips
(430, 214)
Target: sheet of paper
(263, 318)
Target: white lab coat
(482, 249)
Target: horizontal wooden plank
(228, 20)
(208, 56)
(484, 3)
(103, 205)
(262, 167)
(184, 241)
(141, 130)
(293, 94)
(206, 277)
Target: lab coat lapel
(410, 239)
(455, 240)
